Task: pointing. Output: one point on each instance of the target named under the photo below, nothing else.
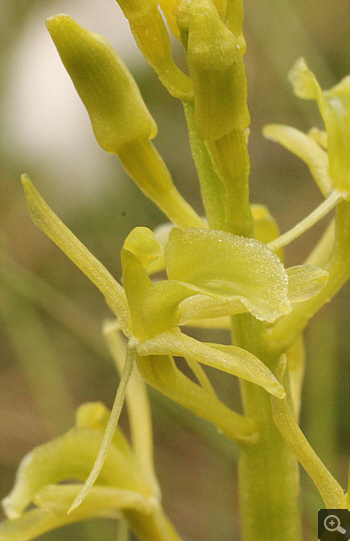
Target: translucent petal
(153, 307)
(305, 148)
(320, 136)
(230, 359)
(95, 415)
(304, 82)
(305, 281)
(143, 244)
(234, 267)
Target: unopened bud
(216, 69)
(110, 94)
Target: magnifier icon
(332, 524)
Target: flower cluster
(226, 264)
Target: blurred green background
(52, 354)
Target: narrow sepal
(52, 226)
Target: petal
(52, 226)
(162, 235)
(334, 106)
(142, 242)
(161, 373)
(59, 498)
(307, 149)
(230, 359)
(153, 307)
(70, 456)
(95, 415)
(233, 267)
(54, 501)
(304, 82)
(305, 281)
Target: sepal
(334, 105)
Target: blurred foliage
(52, 355)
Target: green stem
(268, 471)
(231, 162)
(212, 187)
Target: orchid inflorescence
(226, 264)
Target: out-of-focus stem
(268, 470)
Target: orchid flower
(326, 153)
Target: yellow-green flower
(326, 153)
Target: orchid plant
(224, 270)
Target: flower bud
(216, 69)
(117, 111)
(152, 38)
